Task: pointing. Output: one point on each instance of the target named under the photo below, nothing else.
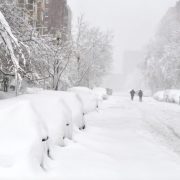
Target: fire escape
(33, 13)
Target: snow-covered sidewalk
(122, 142)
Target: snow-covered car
(101, 93)
(176, 96)
(88, 98)
(166, 95)
(73, 102)
(159, 96)
(55, 114)
(172, 95)
(22, 138)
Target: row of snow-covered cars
(170, 95)
(32, 125)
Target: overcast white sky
(133, 22)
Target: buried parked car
(74, 104)
(88, 98)
(159, 96)
(21, 137)
(55, 114)
(176, 96)
(170, 95)
(101, 93)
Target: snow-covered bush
(87, 97)
(21, 137)
(55, 114)
(101, 93)
(73, 102)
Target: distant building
(33, 12)
(69, 20)
(58, 16)
(47, 16)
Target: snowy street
(90, 90)
(124, 140)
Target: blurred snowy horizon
(133, 22)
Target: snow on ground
(101, 93)
(55, 115)
(6, 95)
(170, 95)
(124, 140)
(32, 90)
(88, 98)
(120, 144)
(22, 150)
(74, 104)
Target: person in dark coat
(132, 93)
(140, 94)
(5, 84)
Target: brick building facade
(47, 16)
(59, 16)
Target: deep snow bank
(22, 149)
(159, 96)
(88, 98)
(171, 95)
(54, 114)
(74, 104)
(101, 93)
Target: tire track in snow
(161, 125)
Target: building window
(46, 13)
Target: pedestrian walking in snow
(132, 93)
(140, 94)
(5, 84)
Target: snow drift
(74, 104)
(171, 95)
(22, 149)
(32, 90)
(101, 93)
(159, 96)
(54, 114)
(87, 97)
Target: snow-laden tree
(162, 66)
(56, 61)
(50, 57)
(12, 50)
(92, 54)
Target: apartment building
(59, 16)
(47, 16)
